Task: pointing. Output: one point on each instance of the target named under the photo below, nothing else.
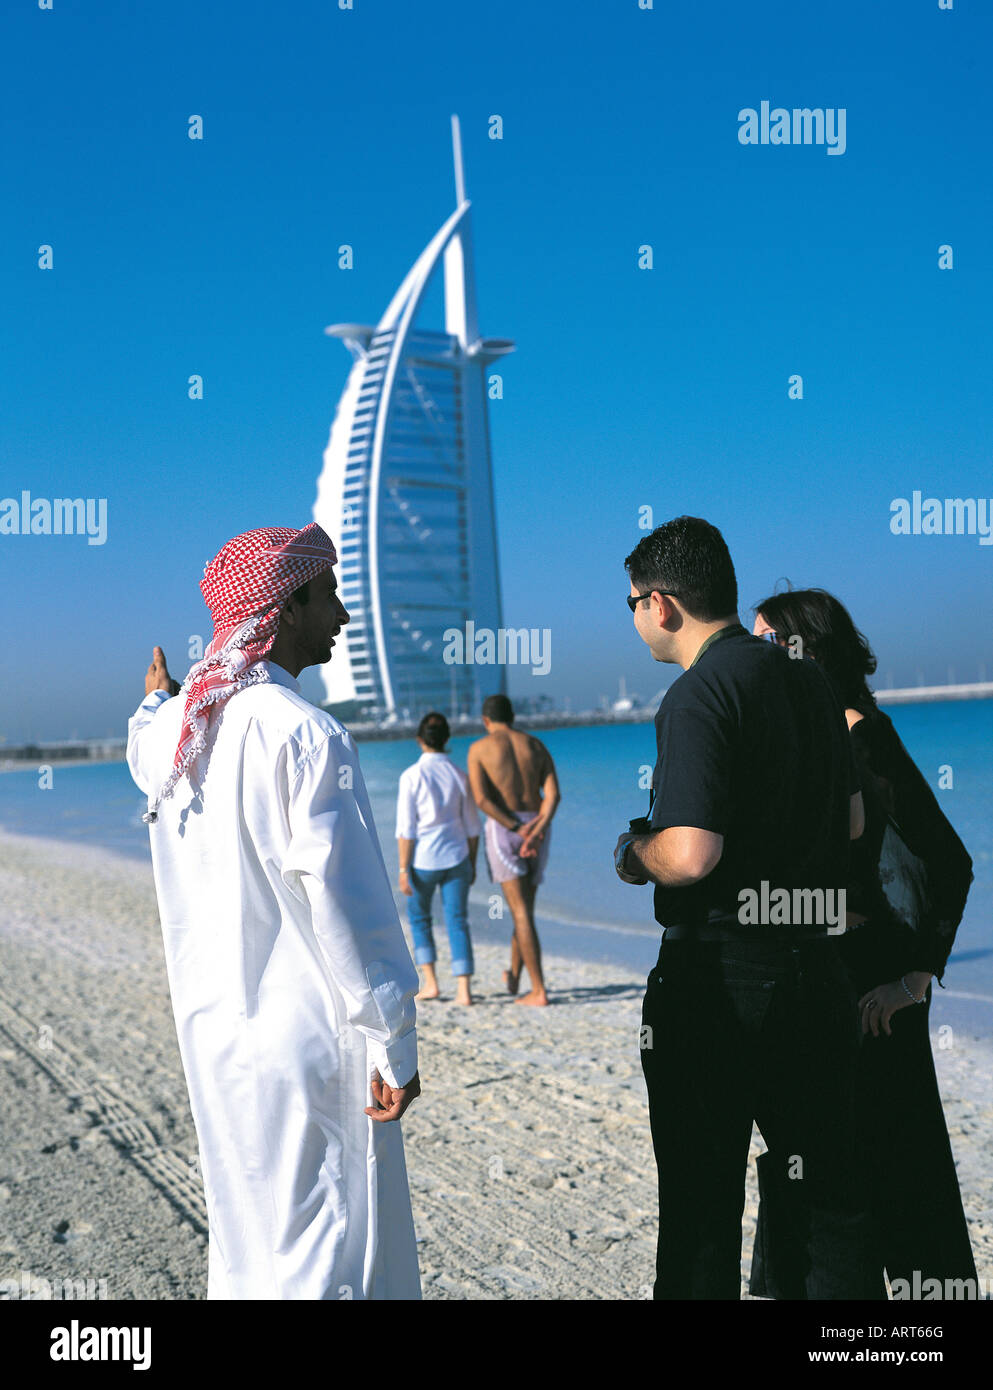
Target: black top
(752, 745)
(910, 872)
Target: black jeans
(736, 1032)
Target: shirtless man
(513, 781)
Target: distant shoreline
(109, 751)
(932, 694)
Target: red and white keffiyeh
(245, 586)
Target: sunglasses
(635, 599)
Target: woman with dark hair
(437, 840)
(908, 882)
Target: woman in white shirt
(437, 840)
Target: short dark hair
(434, 731)
(829, 635)
(690, 557)
(499, 709)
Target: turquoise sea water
(585, 909)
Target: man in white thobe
(291, 982)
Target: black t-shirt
(753, 745)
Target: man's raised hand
(157, 676)
(392, 1101)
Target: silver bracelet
(913, 996)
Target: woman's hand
(880, 1004)
(403, 883)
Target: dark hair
(499, 709)
(690, 557)
(434, 731)
(825, 627)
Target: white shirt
(291, 981)
(435, 808)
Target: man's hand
(626, 839)
(157, 676)
(392, 1101)
(531, 835)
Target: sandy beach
(529, 1153)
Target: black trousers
(904, 1150)
(763, 1031)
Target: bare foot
(512, 981)
(464, 999)
(533, 996)
(428, 994)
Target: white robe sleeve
(137, 724)
(334, 861)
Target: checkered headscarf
(245, 586)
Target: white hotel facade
(406, 494)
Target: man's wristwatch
(517, 826)
(620, 854)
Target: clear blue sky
(665, 387)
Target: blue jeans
(454, 884)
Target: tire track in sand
(111, 1114)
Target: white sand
(529, 1153)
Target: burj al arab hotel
(407, 494)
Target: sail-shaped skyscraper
(407, 493)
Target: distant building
(407, 494)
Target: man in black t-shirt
(748, 1014)
(753, 747)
